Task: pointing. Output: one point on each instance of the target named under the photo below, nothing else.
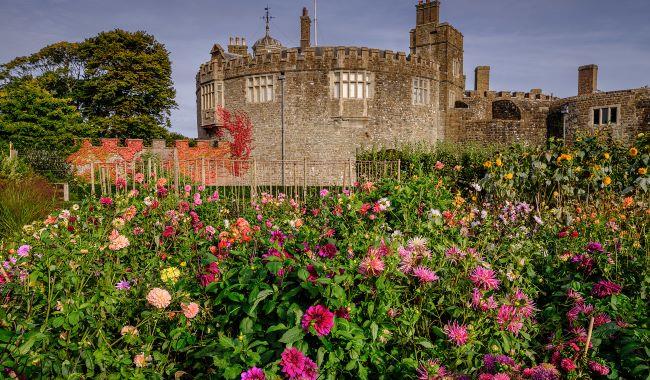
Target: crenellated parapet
(534, 94)
(330, 58)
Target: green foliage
(32, 118)
(397, 262)
(119, 81)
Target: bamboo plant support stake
(92, 178)
(591, 330)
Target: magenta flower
(568, 365)
(320, 317)
(425, 275)
(598, 368)
(484, 278)
(605, 288)
(106, 201)
(456, 333)
(328, 251)
(253, 374)
(297, 366)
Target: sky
(528, 43)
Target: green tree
(119, 81)
(34, 119)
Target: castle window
(352, 85)
(212, 95)
(605, 115)
(260, 89)
(421, 91)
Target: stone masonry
(398, 98)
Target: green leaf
(374, 329)
(260, 297)
(292, 335)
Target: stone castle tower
(326, 102)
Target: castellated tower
(443, 44)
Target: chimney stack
(482, 79)
(305, 29)
(428, 12)
(587, 79)
(238, 46)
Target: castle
(326, 102)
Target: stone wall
(634, 108)
(319, 126)
(499, 117)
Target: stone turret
(305, 29)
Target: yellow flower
(634, 152)
(564, 157)
(498, 162)
(458, 200)
(183, 264)
(487, 164)
(607, 181)
(170, 274)
(509, 176)
(606, 156)
(643, 171)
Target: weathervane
(267, 17)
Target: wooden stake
(591, 330)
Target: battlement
(534, 94)
(340, 57)
(138, 144)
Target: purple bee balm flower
(123, 285)
(23, 250)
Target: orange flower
(627, 202)
(487, 164)
(509, 176)
(634, 152)
(607, 181)
(643, 171)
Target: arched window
(460, 104)
(505, 110)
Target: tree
(119, 81)
(34, 119)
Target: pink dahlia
(605, 288)
(293, 362)
(425, 275)
(253, 374)
(484, 278)
(501, 376)
(190, 310)
(320, 318)
(371, 265)
(159, 298)
(328, 251)
(297, 366)
(457, 333)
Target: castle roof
(267, 44)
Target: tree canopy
(118, 82)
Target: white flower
(75, 207)
(148, 201)
(434, 214)
(476, 187)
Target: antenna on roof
(315, 22)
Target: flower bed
(389, 280)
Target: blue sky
(528, 43)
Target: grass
(23, 201)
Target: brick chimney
(238, 46)
(587, 79)
(482, 79)
(305, 29)
(428, 12)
